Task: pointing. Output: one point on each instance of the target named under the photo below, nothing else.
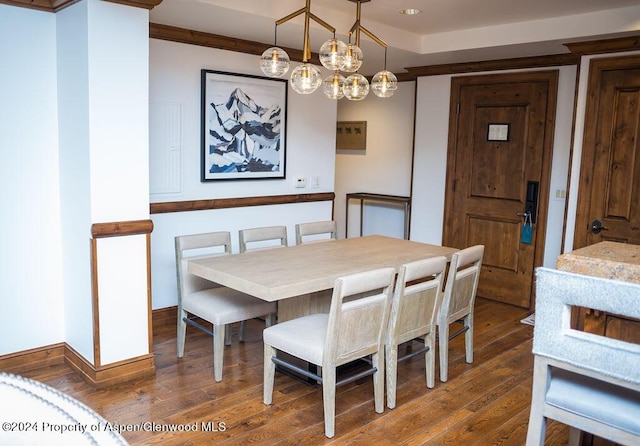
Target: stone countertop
(609, 260)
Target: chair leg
(243, 329)
(269, 373)
(430, 359)
(443, 334)
(329, 400)
(468, 338)
(218, 350)
(270, 319)
(377, 359)
(537, 422)
(575, 436)
(391, 354)
(228, 334)
(182, 331)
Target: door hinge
(458, 108)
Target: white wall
(31, 268)
(383, 168)
(75, 175)
(432, 125)
(175, 96)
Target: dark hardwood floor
(484, 403)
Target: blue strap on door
(527, 230)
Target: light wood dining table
(301, 277)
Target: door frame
(549, 76)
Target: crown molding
(41, 5)
(57, 5)
(494, 65)
(144, 4)
(192, 37)
(628, 43)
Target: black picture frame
(498, 132)
(244, 126)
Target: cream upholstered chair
(352, 330)
(458, 301)
(590, 382)
(200, 298)
(307, 231)
(416, 299)
(255, 236)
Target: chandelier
(334, 55)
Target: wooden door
(609, 190)
(609, 186)
(500, 145)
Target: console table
(393, 199)
(609, 260)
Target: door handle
(531, 202)
(596, 227)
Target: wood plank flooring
(484, 403)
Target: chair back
(199, 245)
(315, 228)
(416, 299)
(462, 284)
(553, 337)
(356, 327)
(266, 234)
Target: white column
(103, 66)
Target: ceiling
(447, 31)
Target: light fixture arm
(357, 28)
(306, 51)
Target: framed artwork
(498, 132)
(351, 135)
(244, 126)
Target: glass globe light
(333, 86)
(274, 62)
(306, 78)
(356, 87)
(332, 54)
(353, 59)
(384, 84)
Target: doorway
(609, 187)
(498, 170)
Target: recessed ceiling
(446, 31)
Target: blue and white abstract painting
(244, 126)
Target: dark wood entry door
(609, 191)
(499, 158)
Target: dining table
(301, 277)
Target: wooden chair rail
(225, 203)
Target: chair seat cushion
(595, 399)
(303, 337)
(222, 305)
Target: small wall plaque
(498, 132)
(351, 135)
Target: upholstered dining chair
(352, 330)
(457, 304)
(588, 381)
(414, 308)
(310, 232)
(252, 238)
(201, 299)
